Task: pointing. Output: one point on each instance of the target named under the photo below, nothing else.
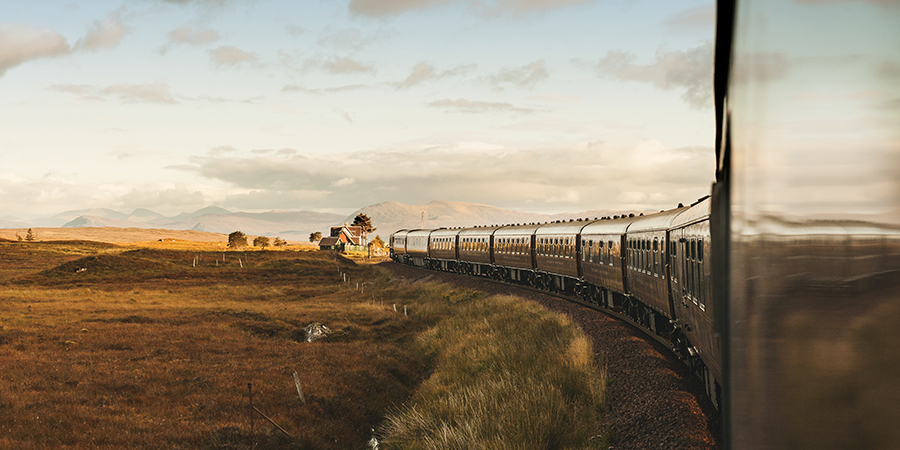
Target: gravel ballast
(653, 401)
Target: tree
(365, 223)
(278, 242)
(30, 236)
(314, 237)
(377, 242)
(237, 239)
(261, 241)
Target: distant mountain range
(387, 217)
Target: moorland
(159, 344)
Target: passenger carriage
(475, 250)
(443, 249)
(556, 255)
(417, 247)
(646, 269)
(513, 253)
(602, 261)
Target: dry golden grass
(144, 350)
(508, 375)
(125, 346)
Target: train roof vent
(680, 205)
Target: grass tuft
(508, 374)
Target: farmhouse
(344, 238)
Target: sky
(255, 105)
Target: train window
(693, 249)
(700, 250)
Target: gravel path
(654, 403)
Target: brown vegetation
(153, 345)
(144, 348)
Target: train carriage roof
(399, 233)
(478, 231)
(697, 211)
(517, 230)
(609, 226)
(653, 222)
(444, 232)
(553, 228)
(419, 232)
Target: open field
(125, 235)
(149, 346)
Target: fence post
(250, 393)
(299, 390)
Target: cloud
(126, 93)
(228, 55)
(348, 39)
(104, 35)
(525, 77)
(569, 177)
(468, 106)
(338, 65)
(691, 70)
(191, 36)
(556, 98)
(697, 17)
(423, 72)
(22, 43)
(383, 8)
(294, 30)
(321, 91)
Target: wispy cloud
(294, 30)
(423, 72)
(22, 43)
(382, 8)
(126, 93)
(338, 65)
(231, 56)
(525, 77)
(690, 70)
(320, 91)
(468, 106)
(104, 35)
(697, 17)
(191, 36)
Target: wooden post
(395, 307)
(299, 390)
(250, 394)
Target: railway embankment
(652, 401)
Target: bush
(261, 241)
(237, 239)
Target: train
(782, 288)
(653, 269)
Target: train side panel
(647, 260)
